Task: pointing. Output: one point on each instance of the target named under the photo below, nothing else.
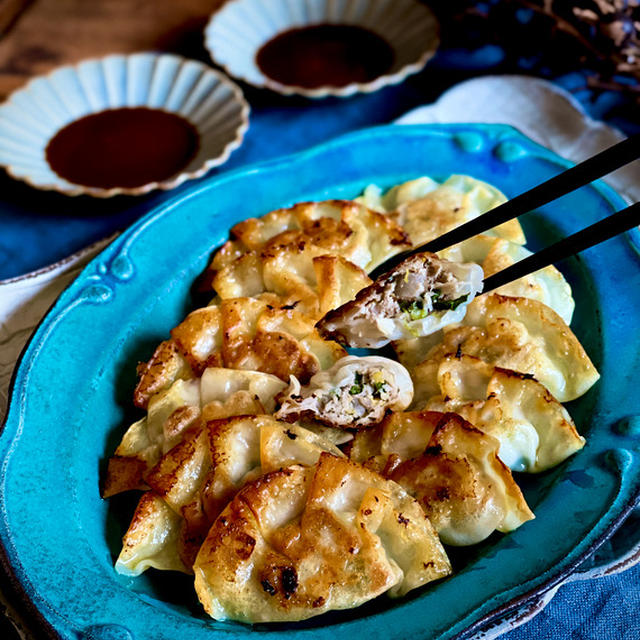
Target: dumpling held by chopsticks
(416, 298)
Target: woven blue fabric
(603, 609)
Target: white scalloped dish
(205, 98)
(237, 31)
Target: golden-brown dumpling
(356, 392)
(259, 334)
(426, 209)
(534, 429)
(333, 227)
(302, 541)
(513, 333)
(199, 476)
(416, 298)
(451, 468)
(314, 255)
(301, 275)
(220, 393)
(152, 540)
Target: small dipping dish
(322, 48)
(123, 124)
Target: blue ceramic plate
(72, 390)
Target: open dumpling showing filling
(416, 298)
(356, 392)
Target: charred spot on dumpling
(268, 587)
(402, 520)
(279, 579)
(289, 578)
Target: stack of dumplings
(291, 478)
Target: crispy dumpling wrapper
(152, 540)
(259, 334)
(520, 334)
(300, 274)
(194, 481)
(333, 227)
(220, 393)
(302, 541)
(535, 431)
(356, 392)
(416, 298)
(495, 254)
(426, 209)
(451, 468)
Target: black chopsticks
(582, 174)
(602, 230)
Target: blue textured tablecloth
(38, 228)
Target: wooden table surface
(38, 35)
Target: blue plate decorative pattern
(71, 397)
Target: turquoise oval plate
(71, 399)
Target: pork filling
(361, 401)
(420, 287)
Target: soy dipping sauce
(127, 147)
(325, 55)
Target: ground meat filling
(417, 297)
(417, 288)
(359, 402)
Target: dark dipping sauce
(127, 147)
(325, 55)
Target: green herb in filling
(358, 386)
(413, 308)
(378, 388)
(416, 311)
(440, 305)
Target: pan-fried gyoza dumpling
(152, 539)
(311, 255)
(302, 541)
(451, 468)
(258, 334)
(495, 254)
(220, 393)
(416, 298)
(333, 227)
(426, 209)
(356, 392)
(195, 480)
(301, 275)
(520, 334)
(534, 429)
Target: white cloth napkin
(544, 112)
